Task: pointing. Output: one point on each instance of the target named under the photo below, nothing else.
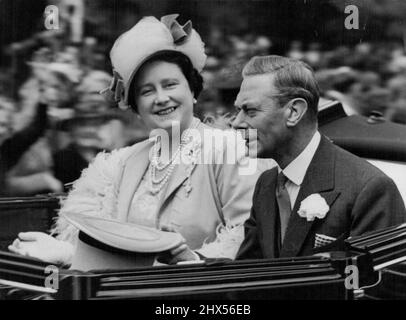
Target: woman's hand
(42, 246)
(181, 253)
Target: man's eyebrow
(244, 107)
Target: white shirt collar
(296, 170)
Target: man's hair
(292, 78)
(193, 77)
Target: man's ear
(296, 110)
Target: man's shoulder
(348, 159)
(349, 165)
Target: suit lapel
(134, 169)
(319, 178)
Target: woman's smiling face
(163, 96)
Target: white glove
(44, 247)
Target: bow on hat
(179, 33)
(115, 92)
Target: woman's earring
(194, 101)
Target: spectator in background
(6, 112)
(53, 84)
(222, 72)
(313, 55)
(397, 110)
(94, 127)
(13, 145)
(336, 84)
(227, 81)
(296, 51)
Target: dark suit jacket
(360, 196)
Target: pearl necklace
(156, 184)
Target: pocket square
(322, 240)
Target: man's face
(258, 108)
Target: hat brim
(123, 235)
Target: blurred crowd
(368, 78)
(58, 122)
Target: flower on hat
(146, 38)
(116, 91)
(314, 206)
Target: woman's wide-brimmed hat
(148, 37)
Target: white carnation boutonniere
(314, 206)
